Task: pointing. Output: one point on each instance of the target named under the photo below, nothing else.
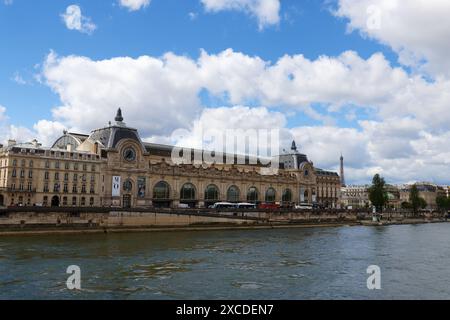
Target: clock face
(129, 154)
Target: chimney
(11, 142)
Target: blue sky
(30, 29)
(379, 93)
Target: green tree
(416, 201)
(443, 203)
(422, 203)
(406, 205)
(377, 193)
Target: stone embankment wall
(66, 219)
(104, 219)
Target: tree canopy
(443, 203)
(377, 193)
(415, 200)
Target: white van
(304, 206)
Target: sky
(366, 78)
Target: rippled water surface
(319, 263)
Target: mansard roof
(166, 151)
(74, 139)
(322, 172)
(108, 137)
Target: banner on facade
(116, 186)
(141, 187)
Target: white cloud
(416, 29)
(400, 150)
(3, 116)
(8, 2)
(74, 20)
(166, 89)
(9, 131)
(298, 81)
(157, 94)
(193, 15)
(266, 11)
(216, 121)
(399, 153)
(17, 78)
(48, 131)
(403, 137)
(134, 5)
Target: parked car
(304, 206)
(317, 206)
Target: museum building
(113, 167)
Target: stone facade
(328, 188)
(32, 175)
(355, 197)
(428, 191)
(113, 167)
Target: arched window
(187, 192)
(252, 195)
(270, 195)
(161, 190)
(212, 193)
(287, 195)
(233, 194)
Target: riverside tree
(415, 200)
(377, 193)
(443, 203)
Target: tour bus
(223, 205)
(245, 205)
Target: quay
(42, 220)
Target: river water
(316, 263)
